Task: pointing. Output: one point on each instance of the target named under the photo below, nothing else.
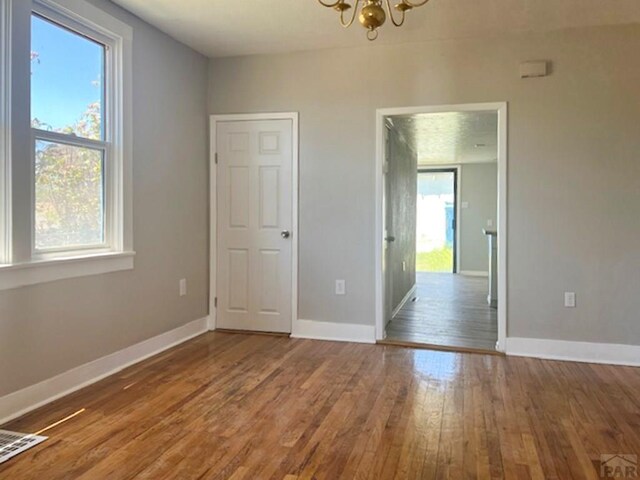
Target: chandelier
(372, 14)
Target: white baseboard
(406, 298)
(338, 332)
(474, 273)
(608, 353)
(23, 401)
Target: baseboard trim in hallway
(410, 294)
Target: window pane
(67, 81)
(69, 196)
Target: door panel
(254, 271)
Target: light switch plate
(341, 287)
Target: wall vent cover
(13, 443)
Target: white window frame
(117, 253)
(5, 132)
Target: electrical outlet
(570, 299)
(341, 287)
(489, 223)
(464, 204)
(404, 266)
(183, 287)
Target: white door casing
(255, 210)
(381, 114)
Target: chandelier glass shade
(373, 13)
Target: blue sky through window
(67, 74)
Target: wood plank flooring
(451, 311)
(236, 406)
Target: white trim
(406, 298)
(213, 217)
(607, 353)
(42, 271)
(119, 256)
(211, 323)
(503, 165)
(335, 332)
(501, 108)
(23, 401)
(474, 273)
(93, 22)
(5, 130)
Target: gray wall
(574, 166)
(403, 184)
(479, 188)
(50, 328)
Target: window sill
(42, 271)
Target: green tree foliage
(69, 186)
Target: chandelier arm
(397, 23)
(415, 4)
(330, 5)
(353, 17)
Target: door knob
(390, 239)
(285, 234)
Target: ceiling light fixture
(372, 14)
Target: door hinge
(216, 158)
(215, 302)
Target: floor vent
(13, 443)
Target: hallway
(450, 311)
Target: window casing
(114, 250)
(52, 245)
(5, 132)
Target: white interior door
(254, 225)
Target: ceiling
(219, 28)
(451, 137)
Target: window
(71, 137)
(80, 176)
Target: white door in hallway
(254, 225)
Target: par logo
(618, 466)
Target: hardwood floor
(451, 311)
(235, 406)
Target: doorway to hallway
(442, 209)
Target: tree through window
(71, 145)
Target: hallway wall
(479, 189)
(403, 179)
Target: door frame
(502, 109)
(213, 203)
(456, 205)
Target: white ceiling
(242, 27)
(452, 137)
